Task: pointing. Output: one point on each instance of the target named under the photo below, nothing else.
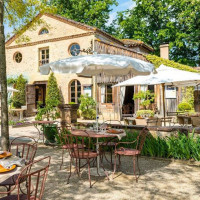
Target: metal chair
(30, 183)
(135, 153)
(23, 150)
(110, 143)
(63, 137)
(81, 149)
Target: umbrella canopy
(165, 75)
(92, 65)
(9, 89)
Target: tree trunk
(3, 82)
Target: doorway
(128, 105)
(40, 95)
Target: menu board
(170, 92)
(87, 90)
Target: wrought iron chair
(135, 153)
(63, 135)
(23, 150)
(81, 149)
(109, 143)
(30, 183)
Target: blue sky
(123, 5)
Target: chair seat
(107, 143)
(127, 152)
(84, 155)
(70, 146)
(15, 197)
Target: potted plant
(142, 115)
(50, 111)
(146, 99)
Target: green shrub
(179, 146)
(87, 107)
(53, 99)
(145, 113)
(157, 61)
(184, 106)
(19, 98)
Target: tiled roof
(131, 42)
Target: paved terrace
(159, 180)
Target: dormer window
(43, 31)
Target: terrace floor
(159, 179)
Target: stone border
(185, 162)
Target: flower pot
(49, 132)
(141, 122)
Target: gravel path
(158, 180)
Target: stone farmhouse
(58, 38)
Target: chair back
(21, 147)
(80, 145)
(141, 139)
(33, 177)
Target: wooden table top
(91, 133)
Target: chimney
(164, 51)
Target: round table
(6, 175)
(97, 135)
(42, 123)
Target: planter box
(68, 113)
(141, 122)
(149, 122)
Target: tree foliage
(53, 97)
(87, 107)
(92, 12)
(19, 98)
(156, 22)
(16, 13)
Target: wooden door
(30, 99)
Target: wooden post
(163, 99)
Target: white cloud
(123, 5)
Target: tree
(16, 13)
(53, 99)
(92, 12)
(156, 22)
(19, 98)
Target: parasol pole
(163, 98)
(97, 114)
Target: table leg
(20, 115)
(98, 157)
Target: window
(74, 49)
(43, 56)
(75, 91)
(106, 93)
(43, 31)
(18, 57)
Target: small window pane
(18, 57)
(74, 49)
(44, 31)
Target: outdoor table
(97, 136)
(183, 119)
(20, 110)
(5, 175)
(40, 131)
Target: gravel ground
(158, 180)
